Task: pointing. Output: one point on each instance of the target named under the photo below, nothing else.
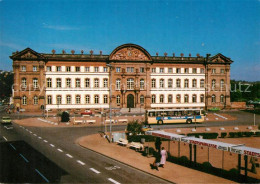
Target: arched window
(194, 83)
(161, 98)
(202, 98)
(178, 98)
(186, 83)
(105, 83)
(169, 98)
(169, 83)
(58, 82)
(161, 83)
(24, 100)
(222, 83)
(35, 83)
(202, 83)
(153, 99)
(142, 99)
(118, 84)
(58, 99)
(87, 99)
(68, 99)
(141, 83)
(96, 83)
(130, 83)
(118, 99)
(24, 82)
(178, 83)
(78, 99)
(49, 83)
(68, 83)
(153, 83)
(49, 99)
(35, 100)
(87, 83)
(78, 83)
(194, 98)
(186, 98)
(105, 99)
(222, 98)
(213, 84)
(213, 98)
(96, 98)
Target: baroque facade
(138, 80)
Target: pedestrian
(164, 156)
(157, 159)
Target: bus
(161, 116)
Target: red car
(87, 112)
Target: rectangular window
(96, 83)
(68, 69)
(141, 70)
(153, 70)
(58, 68)
(194, 70)
(49, 83)
(105, 69)
(58, 99)
(87, 99)
(87, 83)
(161, 70)
(118, 69)
(49, 99)
(34, 68)
(178, 70)
(186, 70)
(58, 83)
(96, 69)
(169, 70)
(214, 71)
(68, 83)
(130, 69)
(153, 83)
(77, 83)
(23, 68)
(105, 83)
(222, 71)
(105, 99)
(169, 83)
(86, 69)
(77, 69)
(202, 70)
(48, 68)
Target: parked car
(6, 120)
(87, 112)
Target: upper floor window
(68, 99)
(186, 83)
(194, 98)
(222, 99)
(153, 70)
(118, 69)
(141, 83)
(96, 83)
(48, 68)
(178, 83)
(202, 82)
(87, 99)
(35, 83)
(78, 83)
(161, 83)
(49, 83)
(169, 83)
(130, 83)
(213, 98)
(35, 68)
(68, 68)
(58, 99)
(161, 99)
(142, 70)
(222, 71)
(178, 70)
(178, 98)
(142, 99)
(194, 70)
(49, 99)
(35, 100)
(86, 69)
(58, 83)
(130, 69)
(58, 68)
(96, 69)
(213, 70)
(77, 99)
(161, 70)
(96, 99)
(105, 69)
(105, 99)
(118, 84)
(24, 100)
(68, 83)
(153, 83)
(24, 82)
(186, 70)
(23, 69)
(186, 98)
(105, 83)
(77, 69)
(202, 70)
(213, 83)
(118, 99)
(222, 83)
(169, 70)
(194, 83)
(153, 99)
(202, 98)
(87, 83)
(169, 98)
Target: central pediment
(130, 52)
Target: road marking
(113, 181)
(5, 138)
(94, 170)
(68, 155)
(42, 175)
(39, 138)
(30, 132)
(35, 134)
(45, 141)
(8, 127)
(59, 150)
(20, 126)
(52, 145)
(12, 146)
(82, 163)
(26, 129)
(24, 158)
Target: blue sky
(190, 26)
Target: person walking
(164, 156)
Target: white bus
(162, 116)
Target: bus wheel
(189, 121)
(159, 122)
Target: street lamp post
(110, 99)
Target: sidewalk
(171, 172)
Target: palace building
(129, 76)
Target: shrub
(134, 127)
(232, 134)
(137, 138)
(240, 134)
(184, 160)
(65, 116)
(257, 134)
(233, 172)
(248, 134)
(206, 166)
(223, 134)
(205, 135)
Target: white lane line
(113, 181)
(42, 176)
(39, 138)
(45, 141)
(35, 134)
(26, 129)
(52, 145)
(60, 150)
(30, 132)
(4, 138)
(94, 170)
(82, 163)
(20, 126)
(68, 155)
(12, 146)
(24, 158)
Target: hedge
(223, 134)
(137, 138)
(240, 134)
(205, 135)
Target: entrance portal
(130, 101)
